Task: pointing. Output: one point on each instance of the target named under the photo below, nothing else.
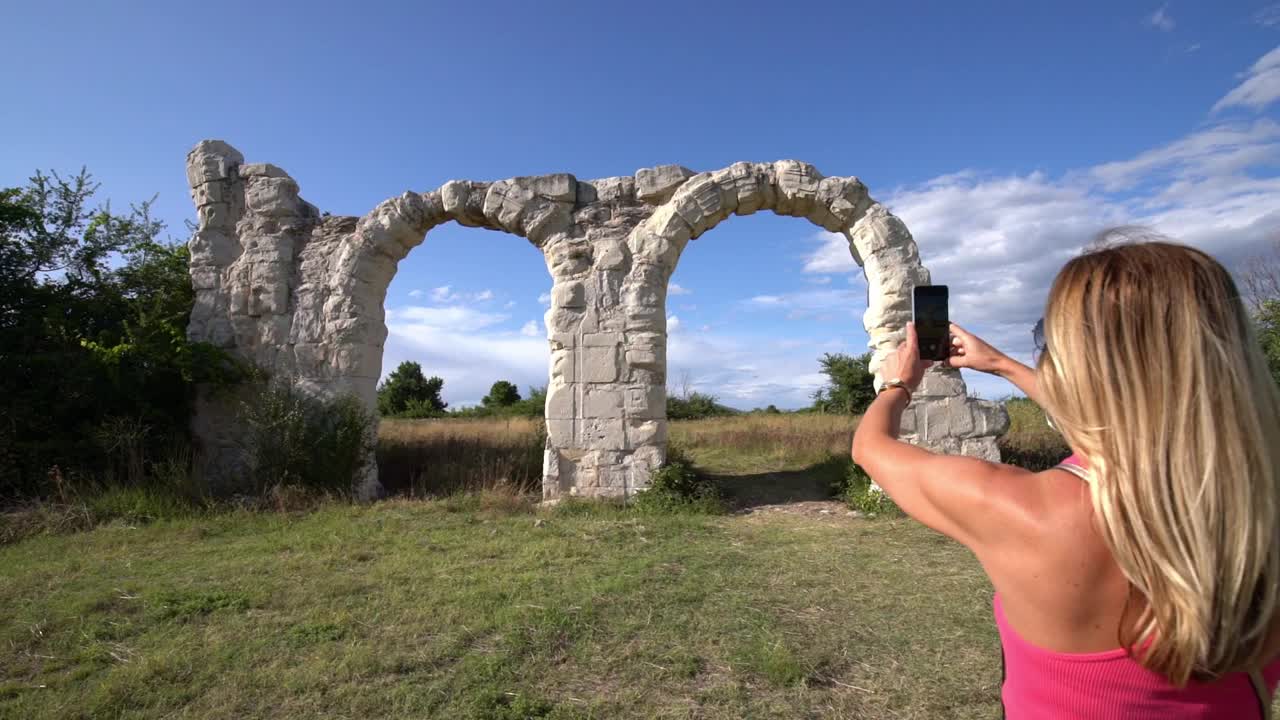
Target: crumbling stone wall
(302, 294)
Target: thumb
(912, 340)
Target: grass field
(483, 606)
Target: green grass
(480, 606)
(419, 609)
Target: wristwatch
(896, 383)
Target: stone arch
(302, 293)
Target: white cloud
(745, 371)
(1260, 87)
(544, 299)
(832, 256)
(416, 293)
(509, 304)
(483, 295)
(677, 289)
(998, 240)
(530, 329)
(444, 293)
(673, 324)
(817, 303)
(466, 347)
(1161, 19)
(821, 280)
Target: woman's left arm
(967, 499)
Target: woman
(1140, 578)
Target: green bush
(856, 491)
(678, 487)
(99, 376)
(695, 406)
(294, 438)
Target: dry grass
(763, 442)
(1030, 442)
(431, 458)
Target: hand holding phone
(933, 324)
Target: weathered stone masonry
(301, 294)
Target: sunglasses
(1038, 348)
(1038, 344)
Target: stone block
(561, 403)
(273, 197)
(656, 184)
(990, 418)
(543, 219)
(618, 190)
(908, 420)
(274, 331)
(561, 320)
(562, 364)
(358, 360)
(560, 431)
(567, 258)
(599, 364)
(602, 434)
(701, 204)
(960, 422)
(216, 216)
(936, 416)
(205, 277)
(648, 246)
(642, 432)
(647, 401)
(797, 185)
(464, 202)
(984, 448)
(265, 170)
(940, 382)
(610, 254)
(602, 402)
(561, 187)
(569, 294)
(211, 160)
(603, 339)
(648, 358)
(210, 193)
(668, 223)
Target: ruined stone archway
(302, 294)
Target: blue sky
(1005, 134)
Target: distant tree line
(408, 393)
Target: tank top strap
(1076, 466)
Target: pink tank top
(1041, 684)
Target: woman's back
(1058, 609)
(1042, 684)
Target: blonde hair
(1153, 373)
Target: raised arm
(970, 351)
(973, 501)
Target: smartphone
(933, 327)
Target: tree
(1261, 278)
(93, 317)
(502, 394)
(850, 384)
(406, 389)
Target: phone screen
(929, 308)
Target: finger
(960, 332)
